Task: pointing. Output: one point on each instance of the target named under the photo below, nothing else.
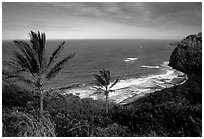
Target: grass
(21, 124)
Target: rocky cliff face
(187, 56)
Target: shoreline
(147, 94)
(130, 90)
(136, 97)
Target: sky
(89, 20)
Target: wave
(128, 90)
(151, 67)
(130, 59)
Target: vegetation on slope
(169, 112)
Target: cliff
(187, 56)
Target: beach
(129, 90)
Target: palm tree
(103, 84)
(30, 64)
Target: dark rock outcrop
(187, 56)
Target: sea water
(140, 65)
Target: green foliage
(113, 130)
(76, 117)
(164, 120)
(193, 89)
(13, 96)
(170, 112)
(21, 124)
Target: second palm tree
(103, 82)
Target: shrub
(13, 96)
(113, 130)
(165, 119)
(76, 117)
(20, 124)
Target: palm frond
(114, 83)
(106, 75)
(111, 90)
(12, 64)
(56, 53)
(38, 44)
(100, 80)
(24, 48)
(58, 67)
(102, 73)
(44, 65)
(53, 72)
(21, 44)
(16, 77)
(24, 80)
(42, 43)
(98, 84)
(29, 54)
(22, 61)
(34, 42)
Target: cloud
(132, 13)
(98, 16)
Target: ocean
(140, 65)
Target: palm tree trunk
(41, 102)
(106, 104)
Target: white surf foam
(151, 67)
(126, 90)
(131, 59)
